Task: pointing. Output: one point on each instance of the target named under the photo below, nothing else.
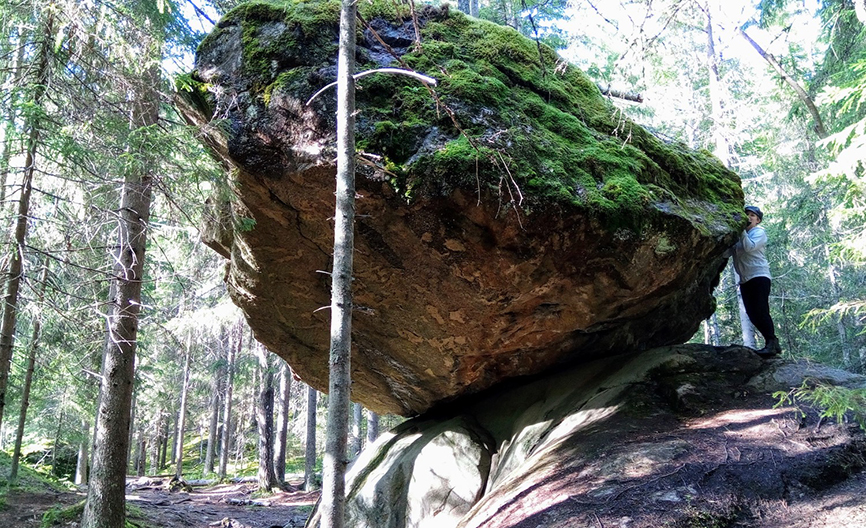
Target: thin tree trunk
(836, 295)
(166, 434)
(105, 506)
(83, 457)
(714, 330)
(310, 447)
(214, 421)
(28, 379)
(282, 436)
(473, 8)
(746, 327)
(156, 445)
(227, 407)
(333, 501)
(181, 420)
(56, 446)
(112, 294)
(131, 460)
(265, 422)
(141, 459)
(723, 151)
(799, 90)
(357, 417)
(372, 426)
(13, 276)
(11, 116)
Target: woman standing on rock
(754, 271)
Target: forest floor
(222, 505)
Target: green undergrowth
(838, 403)
(62, 515)
(529, 126)
(29, 479)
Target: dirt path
(223, 506)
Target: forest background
(776, 89)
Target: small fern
(833, 401)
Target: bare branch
(397, 71)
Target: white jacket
(749, 258)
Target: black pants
(756, 299)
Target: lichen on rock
(509, 219)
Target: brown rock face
(455, 290)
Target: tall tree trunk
(310, 447)
(28, 378)
(105, 505)
(836, 295)
(357, 418)
(473, 8)
(181, 418)
(214, 420)
(156, 444)
(11, 116)
(112, 294)
(234, 347)
(265, 422)
(132, 409)
(748, 330)
(141, 449)
(282, 436)
(83, 457)
(56, 447)
(163, 457)
(723, 150)
(799, 90)
(372, 426)
(13, 276)
(339, 385)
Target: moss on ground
(530, 125)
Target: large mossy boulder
(510, 218)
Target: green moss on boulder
(524, 117)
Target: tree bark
(836, 293)
(860, 10)
(723, 149)
(83, 457)
(282, 436)
(234, 347)
(214, 419)
(105, 505)
(14, 273)
(11, 116)
(372, 427)
(746, 327)
(181, 418)
(357, 417)
(334, 468)
(166, 430)
(799, 90)
(265, 422)
(28, 379)
(310, 447)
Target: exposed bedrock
(547, 230)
